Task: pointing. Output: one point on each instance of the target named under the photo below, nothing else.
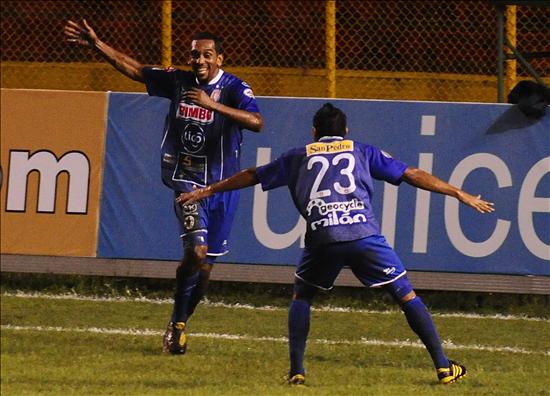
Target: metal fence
(394, 49)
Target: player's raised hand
(476, 202)
(81, 34)
(193, 196)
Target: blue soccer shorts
(208, 222)
(371, 260)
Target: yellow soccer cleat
(179, 339)
(454, 372)
(296, 379)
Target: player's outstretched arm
(249, 120)
(244, 178)
(83, 34)
(426, 181)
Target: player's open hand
(476, 202)
(193, 196)
(80, 34)
(200, 98)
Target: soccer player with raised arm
(201, 145)
(331, 184)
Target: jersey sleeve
(275, 174)
(160, 82)
(384, 167)
(243, 97)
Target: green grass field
(69, 346)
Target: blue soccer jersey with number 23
(331, 183)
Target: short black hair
(209, 36)
(330, 121)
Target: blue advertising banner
(486, 149)
(136, 218)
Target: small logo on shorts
(189, 222)
(190, 208)
(389, 271)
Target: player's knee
(303, 291)
(407, 297)
(194, 258)
(196, 254)
(201, 252)
(401, 290)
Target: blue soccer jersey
(331, 183)
(200, 146)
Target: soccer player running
(331, 184)
(202, 144)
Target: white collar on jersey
(214, 80)
(331, 138)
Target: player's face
(204, 60)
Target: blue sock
(422, 324)
(195, 298)
(298, 329)
(184, 289)
(200, 290)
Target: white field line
(208, 303)
(236, 337)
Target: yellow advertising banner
(52, 164)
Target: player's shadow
(511, 119)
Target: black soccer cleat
(178, 344)
(454, 372)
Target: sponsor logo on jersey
(169, 159)
(329, 148)
(336, 213)
(189, 111)
(325, 208)
(335, 219)
(193, 138)
(215, 95)
(248, 92)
